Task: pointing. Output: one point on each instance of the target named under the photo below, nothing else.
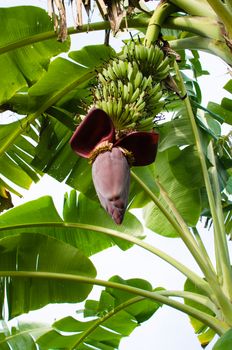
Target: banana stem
(189, 241)
(180, 226)
(185, 232)
(221, 297)
(203, 26)
(215, 47)
(224, 13)
(221, 242)
(198, 298)
(161, 12)
(195, 7)
(202, 247)
(229, 4)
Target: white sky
(168, 329)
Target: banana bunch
(150, 60)
(129, 88)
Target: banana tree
(101, 113)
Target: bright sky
(168, 329)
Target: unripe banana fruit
(129, 88)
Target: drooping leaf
(183, 198)
(63, 76)
(116, 315)
(64, 82)
(40, 216)
(34, 253)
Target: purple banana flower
(111, 158)
(111, 178)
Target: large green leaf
(116, 315)
(25, 52)
(64, 76)
(40, 216)
(61, 84)
(183, 198)
(39, 253)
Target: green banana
(123, 67)
(120, 88)
(130, 91)
(155, 89)
(155, 98)
(135, 95)
(125, 93)
(119, 108)
(111, 73)
(146, 124)
(115, 108)
(138, 79)
(101, 78)
(103, 105)
(124, 116)
(128, 87)
(97, 94)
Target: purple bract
(95, 138)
